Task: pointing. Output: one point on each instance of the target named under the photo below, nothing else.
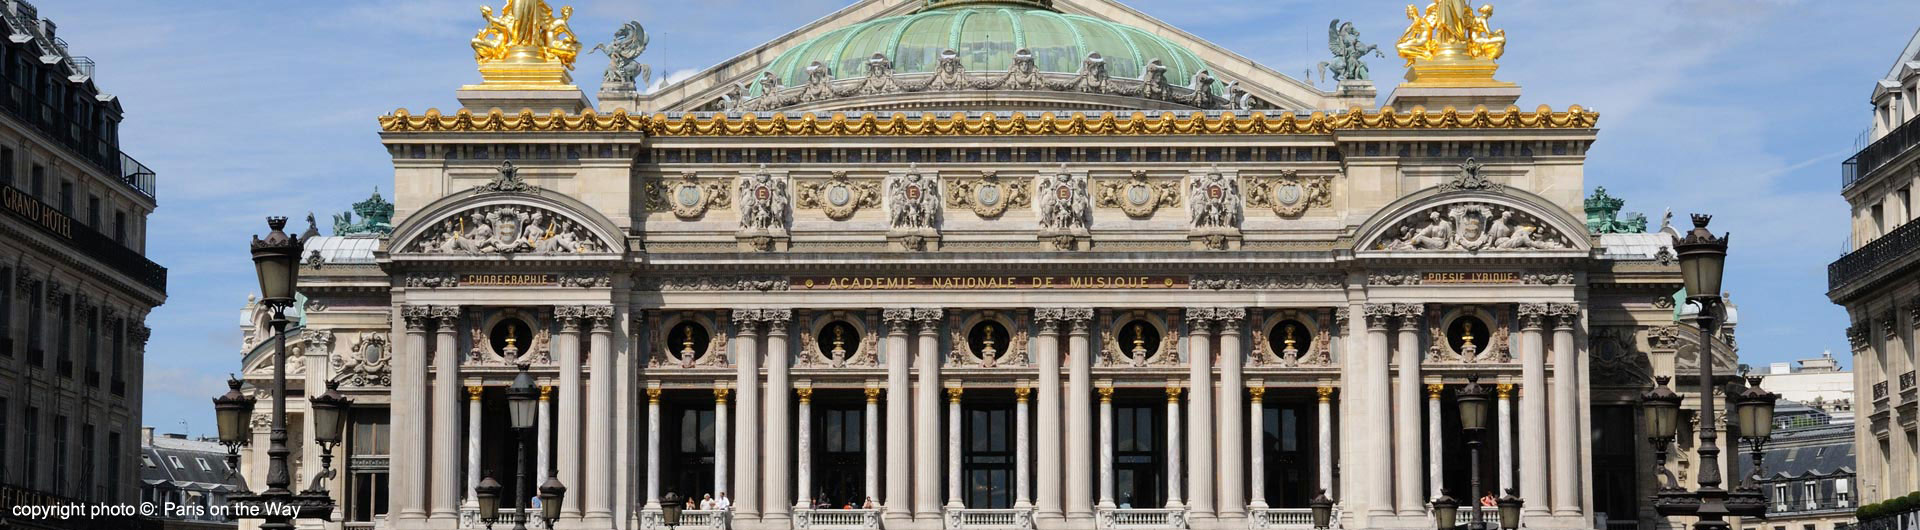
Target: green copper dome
(986, 34)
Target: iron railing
(1879, 153)
(106, 250)
(1893, 246)
(77, 133)
(1906, 381)
(1880, 391)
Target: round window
(510, 337)
(1287, 335)
(838, 340)
(1139, 339)
(688, 340)
(1468, 330)
(987, 339)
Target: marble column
(1566, 412)
(1231, 436)
(1505, 436)
(776, 484)
(1257, 453)
(1326, 439)
(409, 418)
(1408, 434)
(1022, 494)
(1434, 470)
(926, 495)
(473, 442)
(1173, 446)
(1200, 434)
(721, 442)
(653, 449)
(953, 448)
(1377, 414)
(543, 432)
(567, 453)
(1080, 450)
(1533, 411)
(870, 444)
(746, 446)
(446, 414)
(899, 490)
(1047, 474)
(1106, 447)
(600, 452)
(803, 451)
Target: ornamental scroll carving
(1472, 227)
(1615, 359)
(990, 354)
(506, 229)
(1318, 336)
(763, 203)
(716, 283)
(1289, 194)
(1470, 178)
(684, 353)
(367, 363)
(689, 196)
(989, 195)
(1218, 282)
(1138, 196)
(839, 196)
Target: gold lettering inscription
(1469, 277)
(506, 280)
(987, 282)
(38, 213)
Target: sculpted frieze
(1064, 204)
(989, 195)
(1289, 194)
(1215, 201)
(507, 229)
(1472, 227)
(1138, 195)
(839, 196)
(689, 196)
(367, 363)
(716, 283)
(763, 203)
(1217, 282)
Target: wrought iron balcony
(77, 135)
(1880, 391)
(1879, 153)
(106, 250)
(1906, 381)
(1879, 253)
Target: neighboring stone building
(1876, 281)
(1809, 478)
(991, 264)
(1816, 382)
(75, 287)
(178, 471)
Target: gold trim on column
(1258, 392)
(545, 392)
(653, 395)
(1326, 394)
(1433, 390)
(1173, 393)
(953, 393)
(720, 395)
(1020, 393)
(473, 392)
(806, 394)
(1505, 389)
(873, 394)
(1106, 394)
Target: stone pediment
(1451, 220)
(1228, 76)
(481, 223)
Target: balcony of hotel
(1888, 254)
(1880, 153)
(109, 251)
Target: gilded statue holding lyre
(1450, 30)
(526, 31)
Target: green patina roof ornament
(936, 4)
(376, 218)
(1603, 215)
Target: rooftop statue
(623, 66)
(1348, 52)
(1450, 30)
(1603, 215)
(376, 218)
(526, 31)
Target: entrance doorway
(988, 452)
(1288, 435)
(1139, 452)
(688, 428)
(839, 459)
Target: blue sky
(249, 108)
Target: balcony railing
(1906, 381)
(1879, 253)
(108, 251)
(70, 132)
(1800, 506)
(1879, 153)
(1143, 519)
(1880, 391)
(991, 519)
(1286, 518)
(653, 519)
(836, 519)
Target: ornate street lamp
(1445, 510)
(1472, 401)
(276, 261)
(1510, 511)
(329, 419)
(1703, 259)
(1663, 423)
(232, 411)
(522, 406)
(488, 493)
(551, 494)
(1322, 507)
(670, 509)
(1754, 407)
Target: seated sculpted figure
(1417, 42)
(564, 46)
(490, 44)
(1487, 43)
(1437, 235)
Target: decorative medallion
(988, 196)
(839, 196)
(1138, 196)
(913, 200)
(1215, 201)
(1290, 195)
(689, 197)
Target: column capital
(600, 316)
(1106, 394)
(1020, 393)
(1504, 389)
(745, 319)
(1565, 314)
(416, 316)
(1409, 315)
(1078, 319)
(1173, 393)
(1257, 392)
(953, 393)
(1378, 316)
(1230, 318)
(1326, 394)
(1199, 319)
(1532, 316)
(928, 315)
(898, 319)
(873, 394)
(720, 394)
(776, 320)
(569, 316)
(653, 395)
(546, 392)
(447, 316)
(1434, 389)
(1049, 319)
(473, 392)
(806, 394)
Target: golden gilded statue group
(1450, 30)
(526, 31)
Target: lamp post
(329, 411)
(1472, 401)
(1446, 510)
(232, 411)
(1510, 511)
(1662, 422)
(1322, 510)
(1754, 407)
(1703, 259)
(276, 261)
(522, 405)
